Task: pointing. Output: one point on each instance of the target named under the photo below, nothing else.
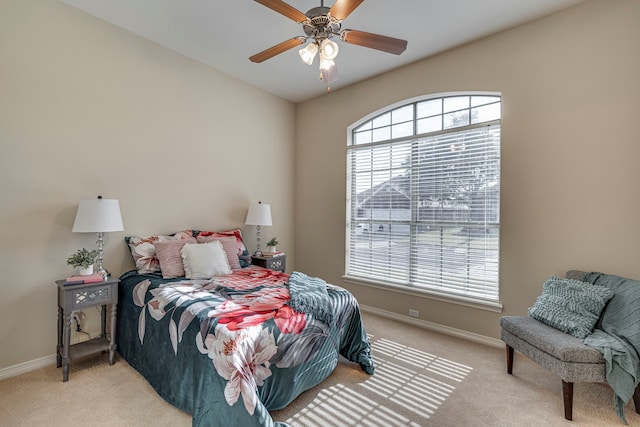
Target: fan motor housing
(320, 24)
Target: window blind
(423, 211)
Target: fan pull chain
(328, 84)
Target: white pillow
(204, 260)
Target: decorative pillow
(243, 253)
(169, 257)
(228, 244)
(204, 260)
(570, 305)
(144, 253)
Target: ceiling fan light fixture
(308, 53)
(320, 24)
(329, 49)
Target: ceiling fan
(321, 24)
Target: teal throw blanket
(617, 336)
(309, 295)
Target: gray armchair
(561, 353)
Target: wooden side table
(79, 297)
(276, 263)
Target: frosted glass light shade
(329, 73)
(98, 215)
(259, 214)
(329, 49)
(326, 64)
(308, 53)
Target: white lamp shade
(98, 215)
(259, 214)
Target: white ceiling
(223, 34)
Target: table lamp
(259, 214)
(98, 216)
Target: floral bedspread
(229, 349)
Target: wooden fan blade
(342, 8)
(374, 41)
(277, 49)
(284, 9)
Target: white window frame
(409, 132)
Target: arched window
(423, 188)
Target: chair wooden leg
(567, 395)
(636, 399)
(509, 359)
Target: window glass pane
(482, 100)
(402, 129)
(363, 126)
(429, 108)
(382, 120)
(456, 103)
(457, 119)
(402, 114)
(381, 134)
(431, 124)
(486, 113)
(362, 137)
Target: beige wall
(570, 152)
(86, 109)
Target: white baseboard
(32, 365)
(435, 327)
(23, 368)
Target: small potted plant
(83, 260)
(272, 245)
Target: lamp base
(258, 252)
(101, 270)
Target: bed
(229, 348)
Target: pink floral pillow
(144, 253)
(169, 257)
(242, 252)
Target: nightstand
(79, 297)
(276, 263)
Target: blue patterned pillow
(570, 305)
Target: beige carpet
(422, 379)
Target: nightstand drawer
(84, 297)
(275, 263)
